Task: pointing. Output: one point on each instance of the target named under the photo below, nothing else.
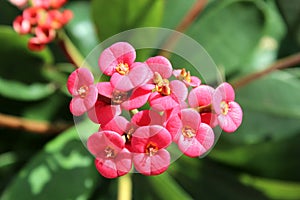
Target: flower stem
(125, 187)
(289, 61)
(32, 126)
(70, 50)
(187, 20)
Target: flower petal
(105, 89)
(106, 168)
(190, 118)
(77, 106)
(179, 89)
(161, 103)
(161, 65)
(147, 117)
(200, 96)
(152, 165)
(137, 99)
(120, 52)
(233, 119)
(224, 92)
(78, 78)
(123, 162)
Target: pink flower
(127, 100)
(149, 154)
(201, 98)
(81, 86)
(193, 137)
(19, 3)
(228, 111)
(118, 61)
(21, 25)
(185, 76)
(35, 44)
(112, 159)
(168, 95)
(45, 35)
(103, 112)
(160, 65)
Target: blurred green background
(259, 161)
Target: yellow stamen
(122, 68)
(224, 107)
(188, 132)
(151, 149)
(83, 91)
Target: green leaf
(19, 91)
(274, 189)
(63, 170)
(112, 17)
(291, 14)
(81, 29)
(272, 159)
(227, 38)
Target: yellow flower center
(122, 68)
(151, 149)
(83, 91)
(185, 75)
(224, 107)
(188, 132)
(110, 152)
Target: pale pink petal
(177, 72)
(97, 142)
(77, 106)
(147, 117)
(120, 52)
(161, 103)
(137, 99)
(123, 162)
(190, 146)
(179, 89)
(78, 78)
(161, 65)
(224, 92)
(205, 136)
(137, 76)
(152, 165)
(105, 89)
(195, 81)
(190, 118)
(118, 124)
(233, 119)
(200, 96)
(91, 97)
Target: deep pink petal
(200, 96)
(179, 89)
(233, 119)
(161, 103)
(78, 78)
(210, 119)
(190, 118)
(105, 89)
(147, 117)
(224, 92)
(174, 126)
(106, 168)
(137, 99)
(120, 52)
(152, 165)
(161, 65)
(102, 113)
(137, 76)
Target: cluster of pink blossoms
(166, 106)
(42, 19)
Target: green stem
(289, 61)
(125, 187)
(69, 48)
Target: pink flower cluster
(166, 106)
(42, 19)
